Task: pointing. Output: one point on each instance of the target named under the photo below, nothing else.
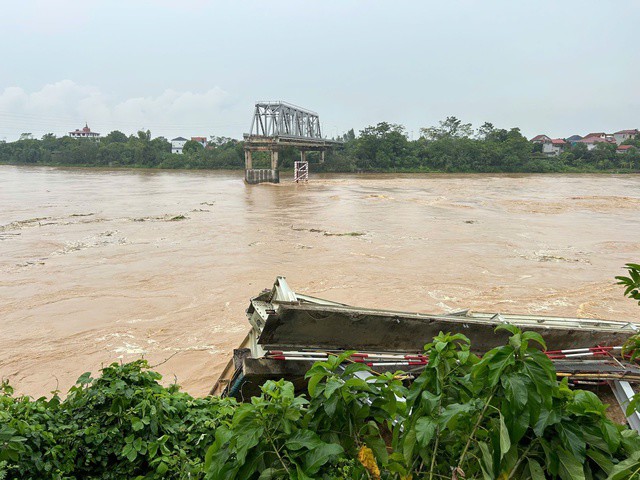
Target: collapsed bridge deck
(290, 331)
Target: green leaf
(626, 468)
(85, 378)
(602, 460)
(333, 384)
(429, 402)
(408, 446)
(487, 462)
(270, 474)
(130, 452)
(534, 337)
(320, 455)
(504, 358)
(162, 468)
(303, 439)
(541, 371)
(379, 448)
(515, 386)
(546, 419)
(300, 474)
(573, 439)
(512, 329)
(536, 471)
(425, 430)
(354, 368)
(136, 424)
(313, 382)
(570, 468)
(505, 442)
(611, 435)
(450, 413)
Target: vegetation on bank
(502, 416)
(452, 146)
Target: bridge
(277, 125)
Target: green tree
(451, 127)
(192, 147)
(116, 136)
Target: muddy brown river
(98, 266)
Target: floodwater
(98, 266)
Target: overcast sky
(196, 67)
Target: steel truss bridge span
(274, 119)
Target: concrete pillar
(274, 159)
(303, 156)
(322, 156)
(248, 160)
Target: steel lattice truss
(280, 119)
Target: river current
(98, 266)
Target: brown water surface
(99, 266)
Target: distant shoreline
(617, 171)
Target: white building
(623, 135)
(177, 144)
(84, 133)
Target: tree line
(451, 146)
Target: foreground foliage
(120, 425)
(501, 416)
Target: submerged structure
(277, 125)
(289, 331)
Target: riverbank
(317, 168)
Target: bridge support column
(303, 156)
(321, 156)
(274, 159)
(248, 160)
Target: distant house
(550, 146)
(625, 148)
(596, 134)
(540, 139)
(623, 135)
(177, 144)
(593, 139)
(84, 133)
(573, 139)
(201, 140)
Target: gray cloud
(65, 105)
(196, 66)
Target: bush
(500, 416)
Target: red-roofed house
(84, 133)
(200, 140)
(625, 148)
(623, 135)
(540, 139)
(555, 147)
(596, 134)
(593, 139)
(550, 146)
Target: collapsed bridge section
(290, 331)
